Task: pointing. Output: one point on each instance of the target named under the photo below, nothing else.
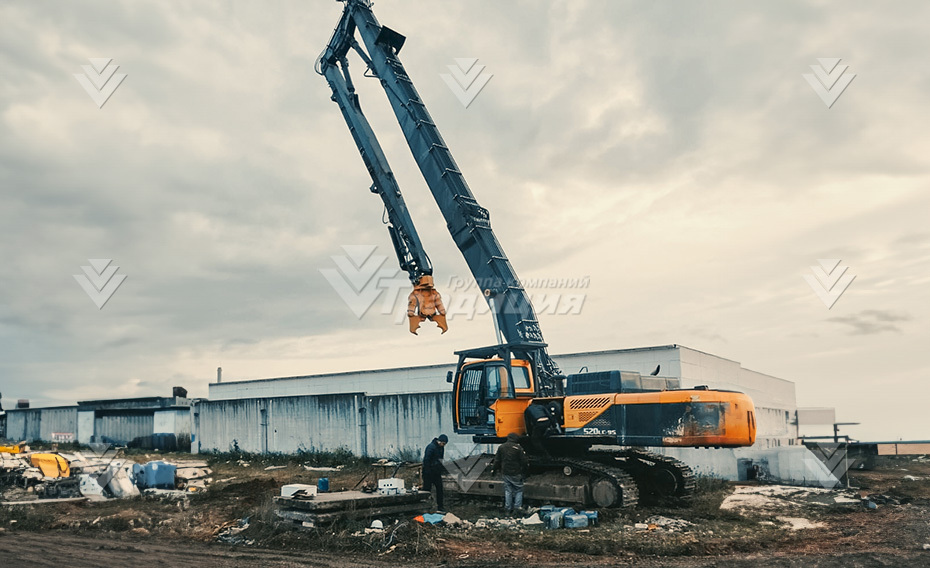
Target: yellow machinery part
(51, 465)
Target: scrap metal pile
(27, 475)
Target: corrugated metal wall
(40, 423)
(122, 428)
(380, 426)
(58, 420)
(403, 424)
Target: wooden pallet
(328, 507)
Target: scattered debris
(671, 525)
(886, 500)
(42, 502)
(780, 497)
(314, 468)
(229, 533)
(797, 523)
(431, 518)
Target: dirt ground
(195, 531)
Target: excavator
(592, 451)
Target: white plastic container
(391, 486)
(289, 490)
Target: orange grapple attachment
(424, 303)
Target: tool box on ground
(391, 486)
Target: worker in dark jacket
(512, 463)
(432, 467)
(539, 425)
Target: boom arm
(424, 302)
(468, 222)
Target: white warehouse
(396, 412)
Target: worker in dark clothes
(512, 463)
(432, 467)
(539, 423)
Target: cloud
(670, 153)
(872, 322)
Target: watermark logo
(364, 279)
(829, 79)
(103, 451)
(100, 280)
(836, 459)
(829, 280)
(360, 279)
(466, 79)
(468, 469)
(100, 79)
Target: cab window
(498, 385)
(521, 378)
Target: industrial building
(151, 422)
(396, 412)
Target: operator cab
(493, 386)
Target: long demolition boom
(468, 222)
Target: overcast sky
(672, 152)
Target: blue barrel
(322, 484)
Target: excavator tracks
(609, 486)
(600, 478)
(657, 476)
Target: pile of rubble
(90, 475)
